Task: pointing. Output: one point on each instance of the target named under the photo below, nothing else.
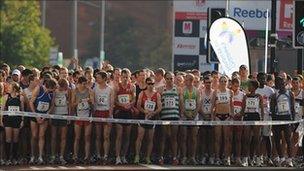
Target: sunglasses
(169, 78)
(207, 82)
(150, 83)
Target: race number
(190, 104)
(102, 100)
(83, 105)
(283, 107)
(223, 98)
(13, 108)
(298, 108)
(43, 106)
(169, 102)
(60, 101)
(252, 103)
(150, 105)
(237, 109)
(124, 98)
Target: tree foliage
(22, 38)
(131, 46)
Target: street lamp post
(43, 12)
(102, 30)
(273, 61)
(74, 30)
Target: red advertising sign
(191, 16)
(285, 20)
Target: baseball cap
(16, 72)
(243, 67)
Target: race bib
(83, 109)
(298, 108)
(60, 101)
(206, 109)
(124, 98)
(169, 102)
(102, 100)
(150, 105)
(43, 106)
(13, 108)
(29, 96)
(237, 109)
(252, 103)
(223, 98)
(83, 105)
(283, 107)
(190, 104)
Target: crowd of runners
(149, 95)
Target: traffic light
(213, 14)
(298, 23)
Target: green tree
(22, 38)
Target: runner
(215, 79)
(238, 96)
(159, 79)
(149, 105)
(104, 98)
(13, 102)
(266, 144)
(207, 132)
(299, 110)
(190, 106)
(82, 101)
(140, 86)
(243, 71)
(282, 109)
(222, 105)
(179, 82)
(116, 78)
(40, 103)
(170, 111)
(60, 106)
(252, 110)
(25, 131)
(27, 93)
(89, 76)
(124, 101)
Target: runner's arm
(261, 105)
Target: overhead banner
(229, 42)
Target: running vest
(43, 101)
(13, 104)
(299, 103)
(170, 104)
(28, 93)
(61, 106)
(124, 95)
(283, 104)
(102, 98)
(149, 104)
(266, 92)
(252, 104)
(83, 106)
(190, 102)
(138, 90)
(238, 102)
(206, 102)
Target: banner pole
(266, 42)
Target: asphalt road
(138, 167)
